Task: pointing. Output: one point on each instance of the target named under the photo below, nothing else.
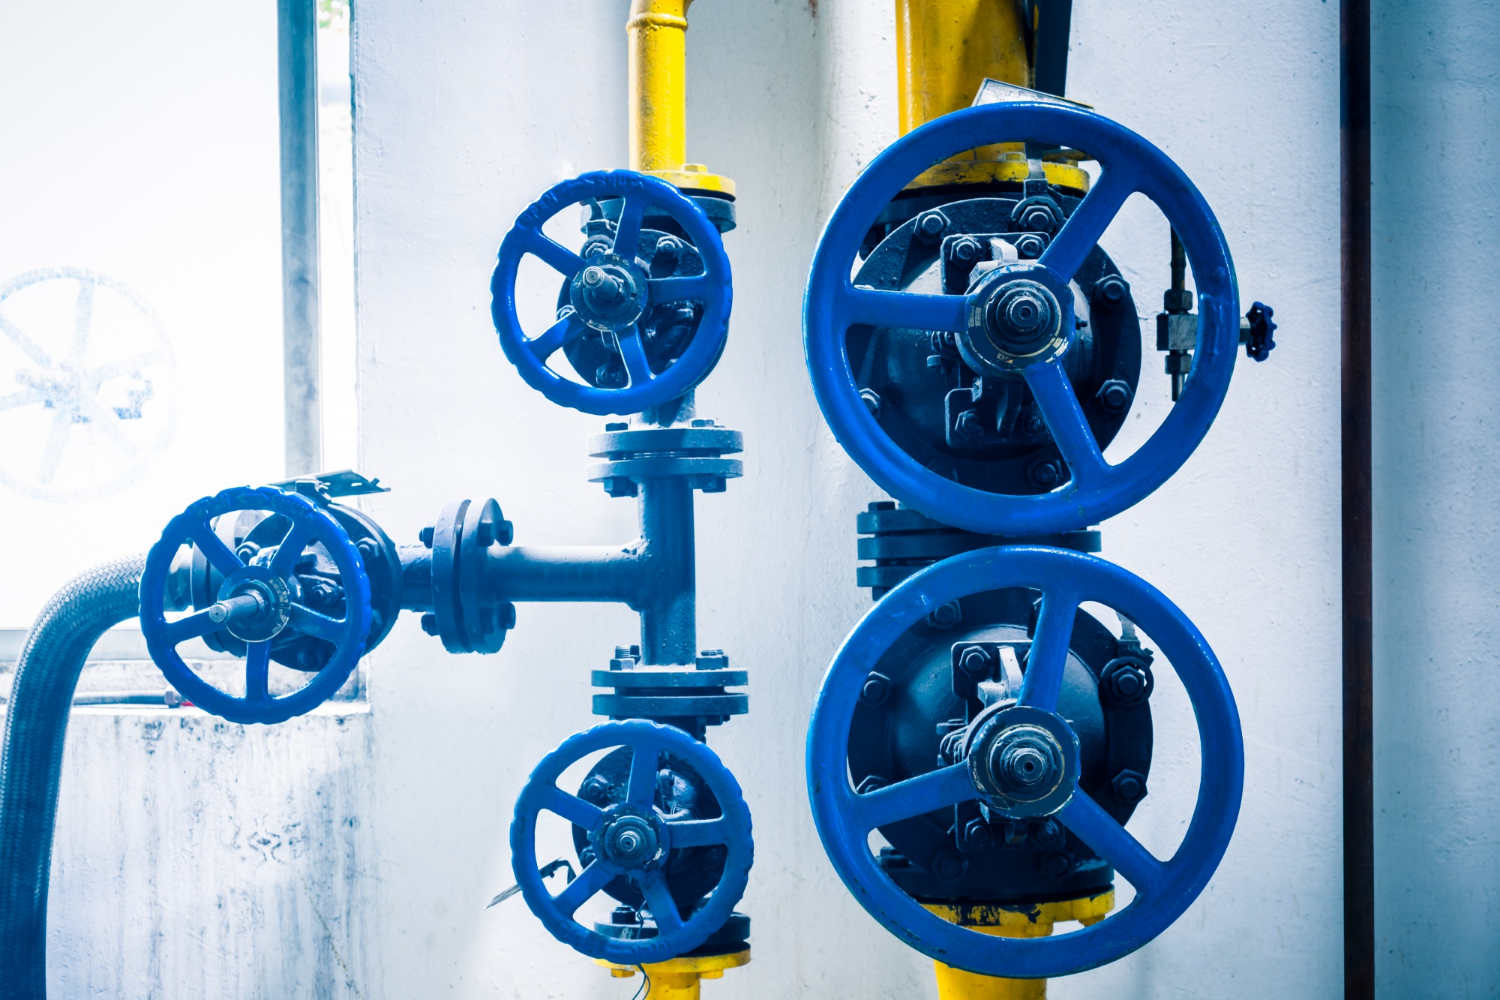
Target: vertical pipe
(669, 629)
(945, 49)
(657, 30)
(1358, 563)
(297, 44)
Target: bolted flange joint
(694, 451)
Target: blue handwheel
(1164, 889)
(632, 838)
(1020, 319)
(611, 292)
(256, 603)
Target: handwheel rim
(539, 791)
(836, 806)
(716, 284)
(1138, 166)
(192, 526)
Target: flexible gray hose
(31, 761)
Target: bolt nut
(619, 486)
(1034, 423)
(871, 400)
(429, 623)
(1030, 247)
(966, 249)
(367, 547)
(974, 661)
(597, 789)
(1049, 833)
(870, 783)
(930, 225)
(1125, 682)
(945, 616)
(977, 834)
(1046, 474)
(1110, 291)
(426, 535)
(1038, 217)
(597, 245)
(1129, 786)
(948, 864)
(968, 425)
(1055, 864)
(1114, 395)
(311, 658)
(876, 689)
(668, 248)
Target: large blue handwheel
(632, 838)
(257, 601)
(1164, 889)
(611, 292)
(991, 337)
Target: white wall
(467, 112)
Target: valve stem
(246, 605)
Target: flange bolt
(930, 224)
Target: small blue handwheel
(610, 295)
(1164, 889)
(633, 838)
(256, 603)
(1020, 320)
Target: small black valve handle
(1256, 330)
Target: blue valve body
(648, 741)
(1164, 889)
(630, 293)
(273, 585)
(1096, 489)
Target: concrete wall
(465, 113)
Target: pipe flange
(466, 615)
(694, 452)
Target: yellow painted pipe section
(1027, 921)
(680, 978)
(944, 51)
(657, 31)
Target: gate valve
(1019, 319)
(260, 602)
(1020, 759)
(610, 294)
(632, 838)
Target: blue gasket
(732, 829)
(714, 288)
(309, 524)
(1164, 890)
(1097, 490)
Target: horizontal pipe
(565, 573)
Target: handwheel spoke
(1113, 843)
(699, 832)
(643, 771)
(1049, 651)
(124, 366)
(917, 796)
(907, 310)
(20, 398)
(258, 672)
(558, 335)
(214, 550)
(191, 627)
(28, 346)
(678, 289)
(552, 253)
(628, 229)
(572, 808)
(289, 552)
(633, 352)
(663, 906)
(305, 619)
(1065, 420)
(1086, 225)
(589, 881)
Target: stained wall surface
(464, 114)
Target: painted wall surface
(465, 113)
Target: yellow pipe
(944, 50)
(657, 30)
(680, 978)
(1025, 921)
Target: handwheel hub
(629, 839)
(276, 603)
(1014, 320)
(1023, 761)
(609, 294)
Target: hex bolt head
(429, 623)
(930, 224)
(974, 661)
(948, 864)
(876, 689)
(367, 547)
(1114, 395)
(966, 249)
(1049, 833)
(1055, 864)
(426, 535)
(1110, 290)
(1125, 682)
(1038, 217)
(869, 784)
(977, 834)
(1129, 786)
(1046, 474)
(945, 616)
(247, 551)
(595, 246)
(1030, 247)
(596, 789)
(968, 425)
(1035, 424)
(311, 658)
(669, 248)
